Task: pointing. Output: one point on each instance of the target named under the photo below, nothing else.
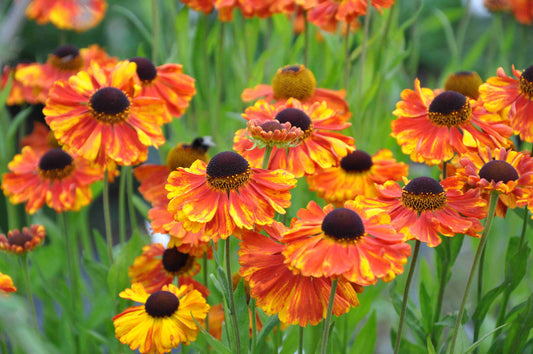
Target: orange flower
(295, 298)
(351, 243)
(227, 194)
(522, 10)
(431, 128)
(19, 92)
(157, 267)
(426, 208)
(205, 6)
(6, 284)
(320, 147)
(296, 81)
(74, 15)
(356, 175)
(502, 92)
(62, 63)
(273, 133)
(53, 177)
(164, 319)
(153, 179)
(99, 115)
(166, 82)
(40, 139)
(21, 242)
(510, 173)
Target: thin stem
(480, 276)
(254, 324)
(481, 246)
(363, 51)
(406, 296)
(205, 271)
(266, 157)
(306, 40)
(232, 296)
(155, 31)
(25, 265)
(347, 57)
(107, 217)
(131, 208)
(122, 207)
(245, 47)
(215, 118)
(325, 331)
(524, 227)
(301, 340)
(440, 297)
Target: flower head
(40, 139)
(321, 146)
(21, 242)
(273, 133)
(516, 94)
(297, 82)
(54, 177)
(163, 321)
(426, 208)
(19, 92)
(6, 284)
(465, 82)
(97, 113)
(68, 14)
(227, 194)
(356, 175)
(433, 127)
(349, 242)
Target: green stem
(524, 227)
(363, 51)
(440, 297)
(325, 330)
(155, 31)
(216, 117)
(480, 276)
(122, 206)
(347, 57)
(107, 217)
(26, 271)
(481, 246)
(130, 193)
(301, 340)
(266, 157)
(306, 40)
(254, 324)
(406, 296)
(232, 296)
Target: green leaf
(476, 344)
(243, 316)
(215, 343)
(515, 263)
(365, 342)
(426, 308)
(431, 348)
(413, 323)
(101, 247)
(518, 333)
(406, 346)
(134, 20)
(17, 121)
(268, 326)
(117, 279)
(483, 306)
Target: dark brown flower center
(526, 83)
(20, 239)
(343, 224)
(498, 171)
(109, 105)
(161, 304)
(464, 82)
(55, 164)
(294, 81)
(356, 162)
(297, 118)
(423, 193)
(449, 109)
(227, 171)
(146, 70)
(174, 260)
(66, 58)
(271, 126)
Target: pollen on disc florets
(526, 83)
(161, 304)
(174, 261)
(356, 162)
(449, 109)
(146, 70)
(227, 171)
(297, 118)
(109, 105)
(464, 82)
(498, 171)
(343, 225)
(66, 58)
(294, 81)
(423, 193)
(55, 164)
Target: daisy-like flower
(167, 82)
(352, 243)
(19, 93)
(431, 128)
(21, 242)
(157, 267)
(98, 114)
(296, 81)
(77, 15)
(153, 179)
(6, 284)
(321, 146)
(62, 63)
(464, 82)
(426, 208)
(508, 172)
(295, 298)
(502, 92)
(163, 321)
(54, 177)
(227, 194)
(356, 175)
(273, 133)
